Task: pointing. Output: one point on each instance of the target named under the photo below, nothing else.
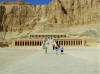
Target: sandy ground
(76, 60)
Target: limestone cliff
(20, 16)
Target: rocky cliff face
(20, 16)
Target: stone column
(74, 42)
(39, 43)
(23, 43)
(82, 43)
(63, 42)
(69, 42)
(79, 42)
(28, 42)
(33, 43)
(18, 43)
(60, 42)
(14, 43)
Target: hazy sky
(35, 2)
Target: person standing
(46, 48)
(45, 43)
(57, 49)
(53, 46)
(62, 50)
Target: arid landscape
(75, 21)
(73, 17)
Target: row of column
(69, 42)
(28, 43)
(40, 42)
(56, 36)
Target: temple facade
(37, 40)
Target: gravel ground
(76, 60)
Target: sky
(35, 2)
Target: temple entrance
(48, 42)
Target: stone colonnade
(61, 42)
(28, 43)
(70, 42)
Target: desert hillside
(68, 16)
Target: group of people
(55, 46)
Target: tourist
(45, 45)
(57, 49)
(53, 46)
(62, 50)
(45, 48)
